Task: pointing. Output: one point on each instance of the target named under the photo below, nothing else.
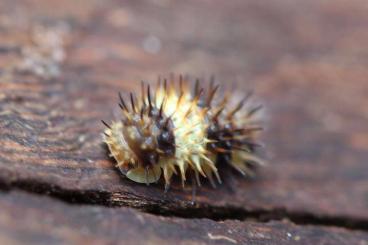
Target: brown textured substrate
(62, 63)
(22, 221)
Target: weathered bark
(308, 69)
(22, 221)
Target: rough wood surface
(61, 65)
(22, 221)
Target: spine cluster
(176, 129)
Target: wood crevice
(180, 210)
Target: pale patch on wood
(221, 237)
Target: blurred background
(62, 63)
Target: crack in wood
(180, 210)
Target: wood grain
(23, 222)
(306, 61)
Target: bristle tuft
(177, 130)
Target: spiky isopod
(176, 129)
